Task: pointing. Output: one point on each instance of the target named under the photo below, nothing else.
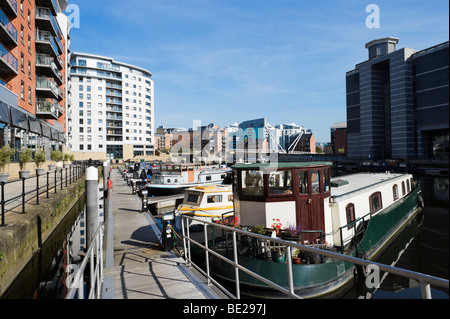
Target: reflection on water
(423, 247)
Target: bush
(24, 157)
(5, 156)
(39, 159)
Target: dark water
(423, 247)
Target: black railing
(18, 192)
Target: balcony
(9, 7)
(47, 109)
(46, 21)
(8, 33)
(8, 62)
(114, 93)
(51, 4)
(47, 87)
(45, 65)
(114, 109)
(46, 44)
(113, 101)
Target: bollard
(91, 203)
(144, 194)
(2, 184)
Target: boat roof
(281, 165)
(211, 188)
(343, 185)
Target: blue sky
(227, 61)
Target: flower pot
(280, 258)
(51, 168)
(40, 171)
(296, 260)
(24, 174)
(66, 165)
(4, 178)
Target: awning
(35, 125)
(46, 130)
(4, 113)
(19, 119)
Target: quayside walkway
(135, 265)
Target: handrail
(425, 280)
(94, 254)
(20, 198)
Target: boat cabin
(293, 193)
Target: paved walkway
(136, 267)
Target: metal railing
(425, 280)
(94, 256)
(21, 191)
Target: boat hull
(323, 279)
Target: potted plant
(54, 156)
(39, 159)
(5, 157)
(276, 227)
(295, 257)
(279, 255)
(24, 158)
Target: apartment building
(112, 110)
(34, 44)
(398, 103)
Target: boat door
(309, 204)
(190, 169)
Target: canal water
(422, 247)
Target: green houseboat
(357, 214)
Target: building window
(29, 95)
(350, 213)
(395, 191)
(22, 90)
(375, 202)
(403, 189)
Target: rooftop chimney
(381, 47)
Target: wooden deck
(136, 266)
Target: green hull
(327, 278)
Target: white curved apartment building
(112, 109)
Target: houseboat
(358, 215)
(208, 202)
(175, 178)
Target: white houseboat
(175, 178)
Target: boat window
(184, 168)
(315, 181)
(408, 189)
(214, 199)
(375, 202)
(395, 191)
(252, 183)
(326, 179)
(230, 197)
(403, 189)
(303, 182)
(350, 212)
(235, 182)
(192, 198)
(280, 182)
(208, 177)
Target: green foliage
(56, 155)
(39, 158)
(259, 229)
(5, 156)
(24, 157)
